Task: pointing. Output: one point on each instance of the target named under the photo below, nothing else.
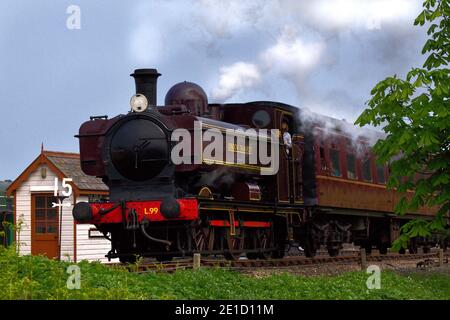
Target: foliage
(34, 277)
(415, 113)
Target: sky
(324, 55)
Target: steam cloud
(253, 48)
(238, 76)
(330, 126)
(292, 56)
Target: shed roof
(69, 164)
(65, 165)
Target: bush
(35, 277)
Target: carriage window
(351, 166)
(366, 172)
(380, 174)
(335, 164)
(323, 164)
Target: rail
(247, 264)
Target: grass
(34, 277)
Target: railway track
(243, 264)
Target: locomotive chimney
(146, 80)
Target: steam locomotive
(326, 191)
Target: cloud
(249, 49)
(334, 103)
(291, 56)
(342, 15)
(223, 19)
(200, 24)
(235, 77)
(147, 40)
(229, 18)
(147, 44)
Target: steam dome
(189, 94)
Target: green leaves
(443, 178)
(438, 44)
(420, 20)
(415, 115)
(401, 207)
(416, 228)
(427, 138)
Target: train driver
(287, 139)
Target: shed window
(335, 163)
(380, 174)
(366, 170)
(46, 217)
(351, 166)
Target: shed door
(44, 223)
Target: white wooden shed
(51, 231)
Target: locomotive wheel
(265, 242)
(212, 234)
(252, 244)
(235, 244)
(202, 239)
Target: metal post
(362, 254)
(60, 199)
(59, 231)
(196, 261)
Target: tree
(415, 115)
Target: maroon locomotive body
(322, 193)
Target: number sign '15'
(67, 188)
